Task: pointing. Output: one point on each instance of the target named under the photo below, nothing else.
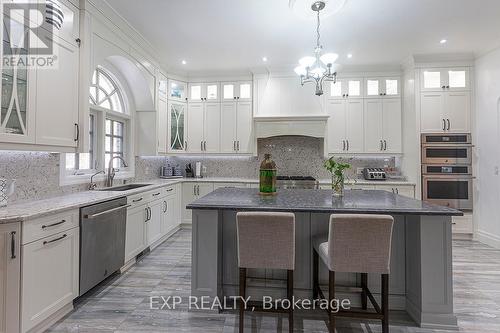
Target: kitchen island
(421, 258)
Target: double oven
(447, 170)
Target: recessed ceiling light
(349, 56)
(184, 62)
(264, 59)
(443, 41)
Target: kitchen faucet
(111, 170)
(92, 185)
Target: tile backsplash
(37, 174)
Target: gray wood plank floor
(122, 303)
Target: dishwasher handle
(91, 216)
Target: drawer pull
(91, 216)
(170, 190)
(156, 194)
(137, 200)
(55, 240)
(53, 225)
(13, 245)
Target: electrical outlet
(359, 171)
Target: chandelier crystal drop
(318, 68)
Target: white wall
(487, 139)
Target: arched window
(105, 93)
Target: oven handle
(447, 145)
(443, 176)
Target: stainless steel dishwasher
(102, 241)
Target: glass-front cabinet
(241, 90)
(204, 92)
(177, 115)
(177, 90)
(345, 88)
(17, 82)
(445, 79)
(383, 87)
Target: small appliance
(374, 174)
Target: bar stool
(266, 240)
(356, 244)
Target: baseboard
(488, 238)
(52, 319)
(460, 236)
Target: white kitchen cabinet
(345, 88)
(345, 126)
(162, 110)
(136, 237)
(204, 127)
(177, 91)
(154, 221)
(57, 109)
(10, 277)
(240, 90)
(190, 192)
(385, 87)
(229, 185)
(445, 79)
(236, 127)
(177, 117)
(204, 92)
(50, 275)
(462, 224)
(445, 112)
(404, 190)
(168, 222)
(382, 119)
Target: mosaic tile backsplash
(37, 174)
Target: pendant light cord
(317, 31)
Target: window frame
(73, 177)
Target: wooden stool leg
(385, 303)
(315, 274)
(243, 282)
(364, 295)
(290, 298)
(331, 297)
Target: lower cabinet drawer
(50, 274)
(49, 225)
(462, 224)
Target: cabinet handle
(53, 224)
(234, 97)
(443, 87)
(447, 87)
(343, 145)
(205, 145)
(201, 145)
(165, 206)
(347, 145)
(381, 145)
(156, 194)
(137, 200)
(237, 145)
(444, 125)
(13, 245)
(55, 240)
(185, 145)
(198, 189)
(385, 145)
(194, 190)
(385, 94)
(77, 132)
(397, 190)
(449, 125)
(170, 190)
(343, 96)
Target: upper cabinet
(240, 90)
(383, 87)
(177, 91)
(177, 119)
(204, 92)
(344, 88)
(445, 79)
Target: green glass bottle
(267, 177)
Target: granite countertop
(319, 201)
(22, 211)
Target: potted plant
(337, 169)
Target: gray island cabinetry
(421, 259)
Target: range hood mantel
(269, 126)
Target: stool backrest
(266, 240)
(360, 243)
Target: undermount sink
(124, 187)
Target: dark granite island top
(319, 201)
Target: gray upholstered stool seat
(356, 244)
(266, 240)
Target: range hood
(312, 125)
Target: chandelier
(317, 68)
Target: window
(114, 142)
(109, 134)
(104, 92)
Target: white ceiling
(234, 35)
